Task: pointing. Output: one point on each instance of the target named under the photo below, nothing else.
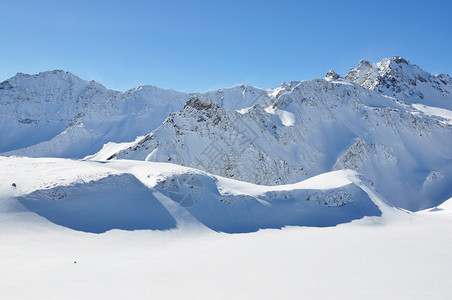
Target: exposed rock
(331, 75)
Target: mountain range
(390, 121)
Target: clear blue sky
(202, 45)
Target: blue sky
(202, 45)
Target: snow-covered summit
(36, 108)
(397, 77)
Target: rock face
(331, 75)
(372, 122)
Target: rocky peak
(363, 64)
(400, 60)
(200, 103)
(397, 77)
(444, 79)
(371, 75)
(331, 75)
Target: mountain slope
(58, 114)
(36, 108)
(313, 127)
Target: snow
(393, 263)
(109, 149)
(397, 259)
(396, 255)
(435, 111)
(100, 196)
(287, 118)
(447, 206)
(306, 197)
(331, 180)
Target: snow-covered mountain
(309, 128)
(390, 121)
(57, 114)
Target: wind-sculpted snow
(274, 208)
(113, 202)
(131, 195)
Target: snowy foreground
(332, 188)
(377, 252)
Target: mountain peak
(363, 63)
(56, 72)
(369, 74)
(365, 69)
(52, 81)
(400, 60)
(397, 77)
(44, 78)
(331, 75)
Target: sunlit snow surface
(308, 204)
(390, 254)
(131, 195)
(446, 114)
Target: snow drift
(132, 195)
